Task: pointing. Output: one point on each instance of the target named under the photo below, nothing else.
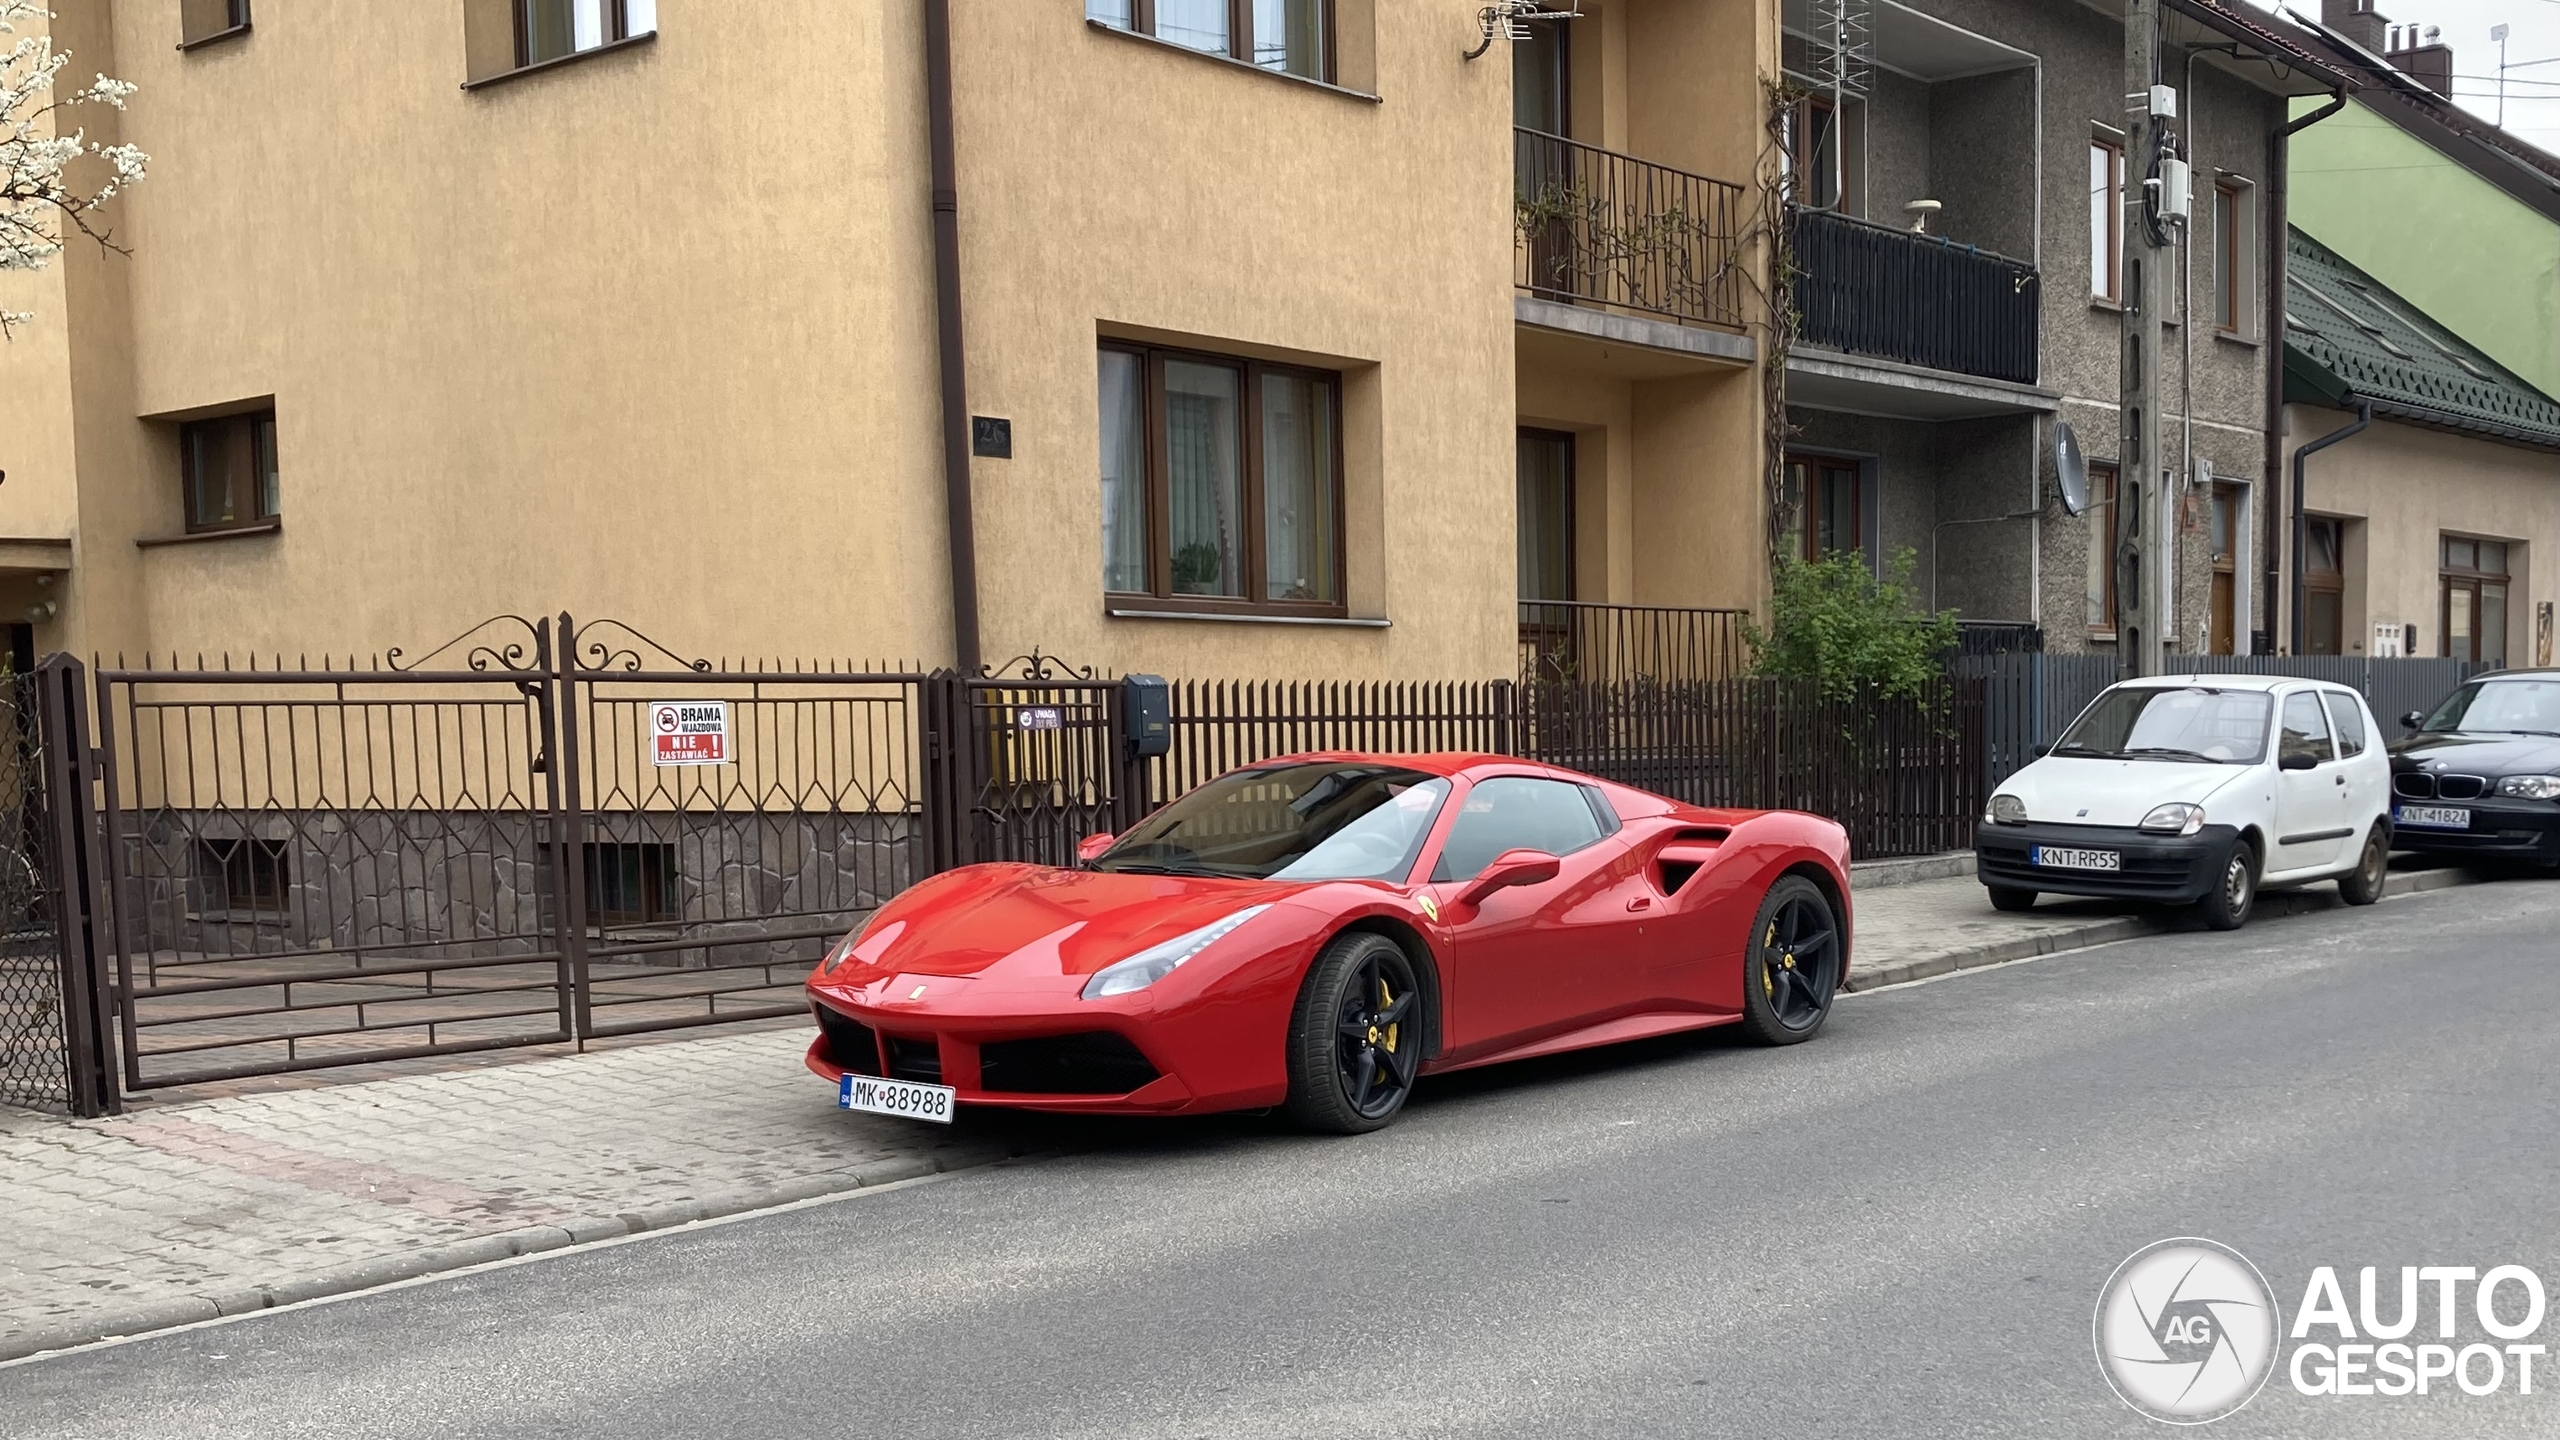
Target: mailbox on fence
(1146, 708)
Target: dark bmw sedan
(2480, 777)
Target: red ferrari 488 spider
(1323, 930)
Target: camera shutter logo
(2186, 1331)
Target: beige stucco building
(629, 307)
(2430, 480)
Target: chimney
(2430, 65)
(2357, 20)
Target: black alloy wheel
(1792, 972)
(1355, 1039)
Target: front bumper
(2167, 869)
(2501, 829)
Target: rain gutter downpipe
(954, 360)
(2278, 229)
(2301, 524)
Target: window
(1541, 94)
(550, 29)
(244, 877)
(2106, 220)
(2227, 727)
(2230, 257)
(1811, 154)
(1294, 37)
(2305, 731)
(1830, 495)
(2347, 717)
(2324, 587)
(229, 467)
(631, 884)
(2475, 599)
(1221, 482)
(1516, 814)
(1546, 515)
(2102, 551)
(1325, 820)
(202, 20)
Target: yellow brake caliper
(1386, 1001)
(1768, 982)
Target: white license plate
(2432, 817)
(2057, 858)
(906, 1099)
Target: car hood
(2478, 753)
(2072, 790)
(1034, 922)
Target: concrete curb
(2124, 927)
(464, 1253)
(1910, 870)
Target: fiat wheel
(2363, 884)
(1355, 1038)
(1791, 972)
(2235, 889)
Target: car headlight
(2175, 818)
(1157, 961)
(853, 939)
(2531, 787)
(2006, 810)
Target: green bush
(1833, 622)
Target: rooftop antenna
(1511, 19)
(1840, 50)
(2498, 33)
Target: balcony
(1575, 642)
(1924, 300)
(1595, 227)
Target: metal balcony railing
(1595, 227)
(1921, 299)
(1587, 643)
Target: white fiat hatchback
(2197, 790)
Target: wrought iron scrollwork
(1036, 667)
(599, 645)
(484, 647)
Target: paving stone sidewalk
(187, 1210)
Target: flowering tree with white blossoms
(39, 205)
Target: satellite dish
(2073, 470)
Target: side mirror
(1090, 848)
(2297, 760)
(2042, 751)
(2412, 720)
(1511, 867)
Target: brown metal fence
(548, 831)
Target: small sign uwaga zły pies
(689, 732)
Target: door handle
(1641, 902)
(2341, 779)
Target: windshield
(2522, 707)
(1328, 821)
(2197, 725)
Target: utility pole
(2156, 200)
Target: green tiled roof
(2349, 337)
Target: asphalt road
(1900, 1229)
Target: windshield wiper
(1192, 870)
(2173, 752)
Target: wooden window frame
(2105, 490)
(617, 27)
(1800, 163)
(2114, 237)
(2466, 581)
(658, 872)
(2318, 582)
(252, 516)
(1251, 541)
(247, 860)
(2226, 568)
(1572, 521)
(1142, 21)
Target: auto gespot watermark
(2189, 1331)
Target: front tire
(1355, 1036)
(1792, 967)
(2226, 905)
(2012, 900)
(2363, 884)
